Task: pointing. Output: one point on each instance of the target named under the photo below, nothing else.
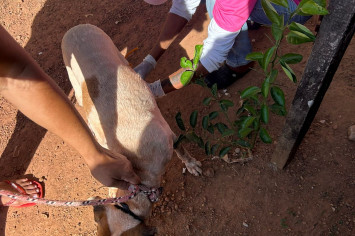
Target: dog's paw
(194, 167)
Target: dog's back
(120, 109)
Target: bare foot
(31, 189)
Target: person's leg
(236, 65)
(241, 48)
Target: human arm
(24, 84)
(180, 13)
(222, 32)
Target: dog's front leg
(192, 165)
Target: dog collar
(125, 208)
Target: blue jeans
(242, 45)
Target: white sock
(156, 89)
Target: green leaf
(288, 71)
(244, 132)
(242, 143)
(256, 124)
(205, 121)
(250, 91)
(224, 151)
(255, 56)
(179, 121)
(210, 129)
(271, 13)
(208, 148)
(250, 109)
(264, 136)
(186, 77)
(296, 27)
(272, 76)
(221, 127)
(322, 3)
(214, 90)
(192, 136)
(207, 101)
(214, 148)
(247, 122)
(179, 140)
(227, 133)
(267, 57)
(198, 52)
(193, 118)
(265, 113)
(278, 109)
(291, 58)
(296, 38)
(185, 63)
(278, 95)
(265, 88)
(213, 115)
(312, 8)
(283, 3)
(240, 121)
(225, 104)
(277, 32)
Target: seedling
(220, 133)
(190, 66)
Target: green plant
(190, 66)
(219, 131)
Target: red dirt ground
(314, 195)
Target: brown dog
(124, 117)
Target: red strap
(17, 187)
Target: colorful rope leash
(151, 193)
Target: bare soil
(314, 195)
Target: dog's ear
(141, 230)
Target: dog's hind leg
(192, 165)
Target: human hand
(146, 66)
(113, 171)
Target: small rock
(322, 121)
(245, 224)
(183, 170)
(335, 126)
(351, 133)
(45, 214)
(209, 172)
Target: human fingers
(121, 184)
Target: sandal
(23, 192)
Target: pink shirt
(232, 14)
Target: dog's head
(122, 219)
